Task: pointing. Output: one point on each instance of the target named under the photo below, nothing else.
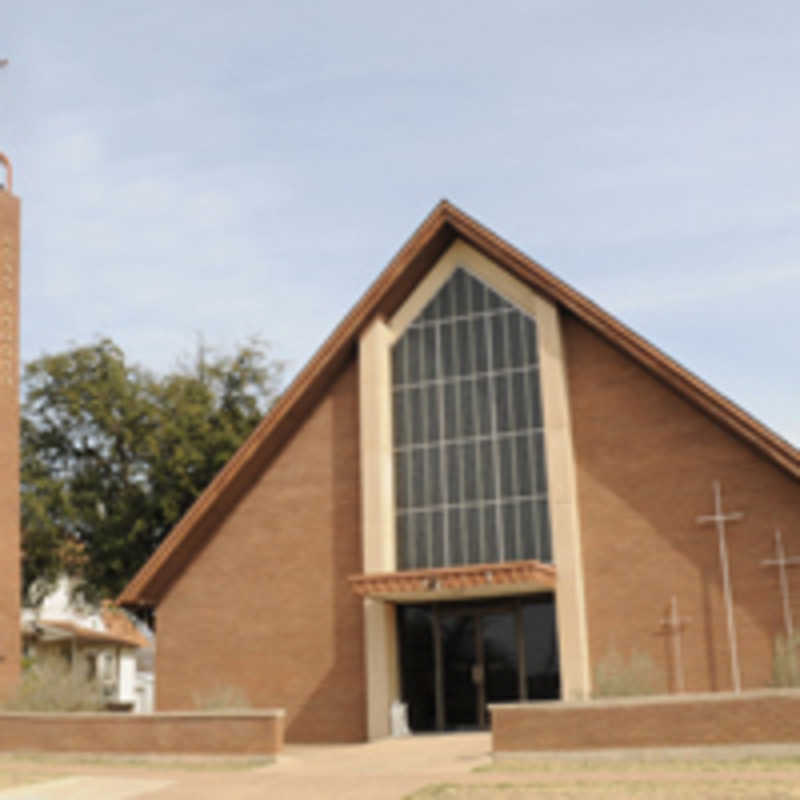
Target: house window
(108, 666)
(91, 666)
(469, 458)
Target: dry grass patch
(757, 777)
(637, 676)
(672, 765)
(703, 790)
(52, 684)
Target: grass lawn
(759, 778)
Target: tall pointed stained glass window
(470, 478)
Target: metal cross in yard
(719, 519)
(674, 625)
(781, 562)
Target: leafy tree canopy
(113, 455)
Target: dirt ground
(456, 767)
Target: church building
(480, 489)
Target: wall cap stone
(646, 700)
(105, 716)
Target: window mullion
(445, 488)
(494, 431)
(512, 445)
(411, 531)
(483, 547)
(529, 358)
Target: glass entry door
(457, 658)
(461, 670)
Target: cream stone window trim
(561, 485)
(377, 468)
(460, 254)
(377, 474)
(377, 521)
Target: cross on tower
(719, 519)
(781, 562)
(674, 625)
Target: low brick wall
(753, 717)
(235, 733)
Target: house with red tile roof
(101, 643)
(480, 489)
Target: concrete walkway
(390, 768)
(394, 768)
(87, 788)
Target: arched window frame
(468, 438)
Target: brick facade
(646, 459)
(250, 612)
(9, 442)
(266, 605)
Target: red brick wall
(259, 733)
(9, 442)
(751, 718)
(645, 462)
(266, 605)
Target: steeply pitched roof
(442, 226)
(56, 629)
(118, 623)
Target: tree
(113, 455)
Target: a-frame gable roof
(442, 226)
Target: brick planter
(234, 733)
(753, 717)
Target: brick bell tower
(9, 432)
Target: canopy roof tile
(511, 577)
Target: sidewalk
(389, 768)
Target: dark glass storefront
(456, 658)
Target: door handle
(477, 674)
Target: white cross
(720, 519)
(674, 625)
(781, 562)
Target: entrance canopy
(448, 583)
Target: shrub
(221, 698)
(614, 677)
(50, 684)
(785, 663)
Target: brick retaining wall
(768, 716)
(241, 733)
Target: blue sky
(248, 168)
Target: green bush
(614, 677)
(221, 698)
(50, 684)
(785, 662)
